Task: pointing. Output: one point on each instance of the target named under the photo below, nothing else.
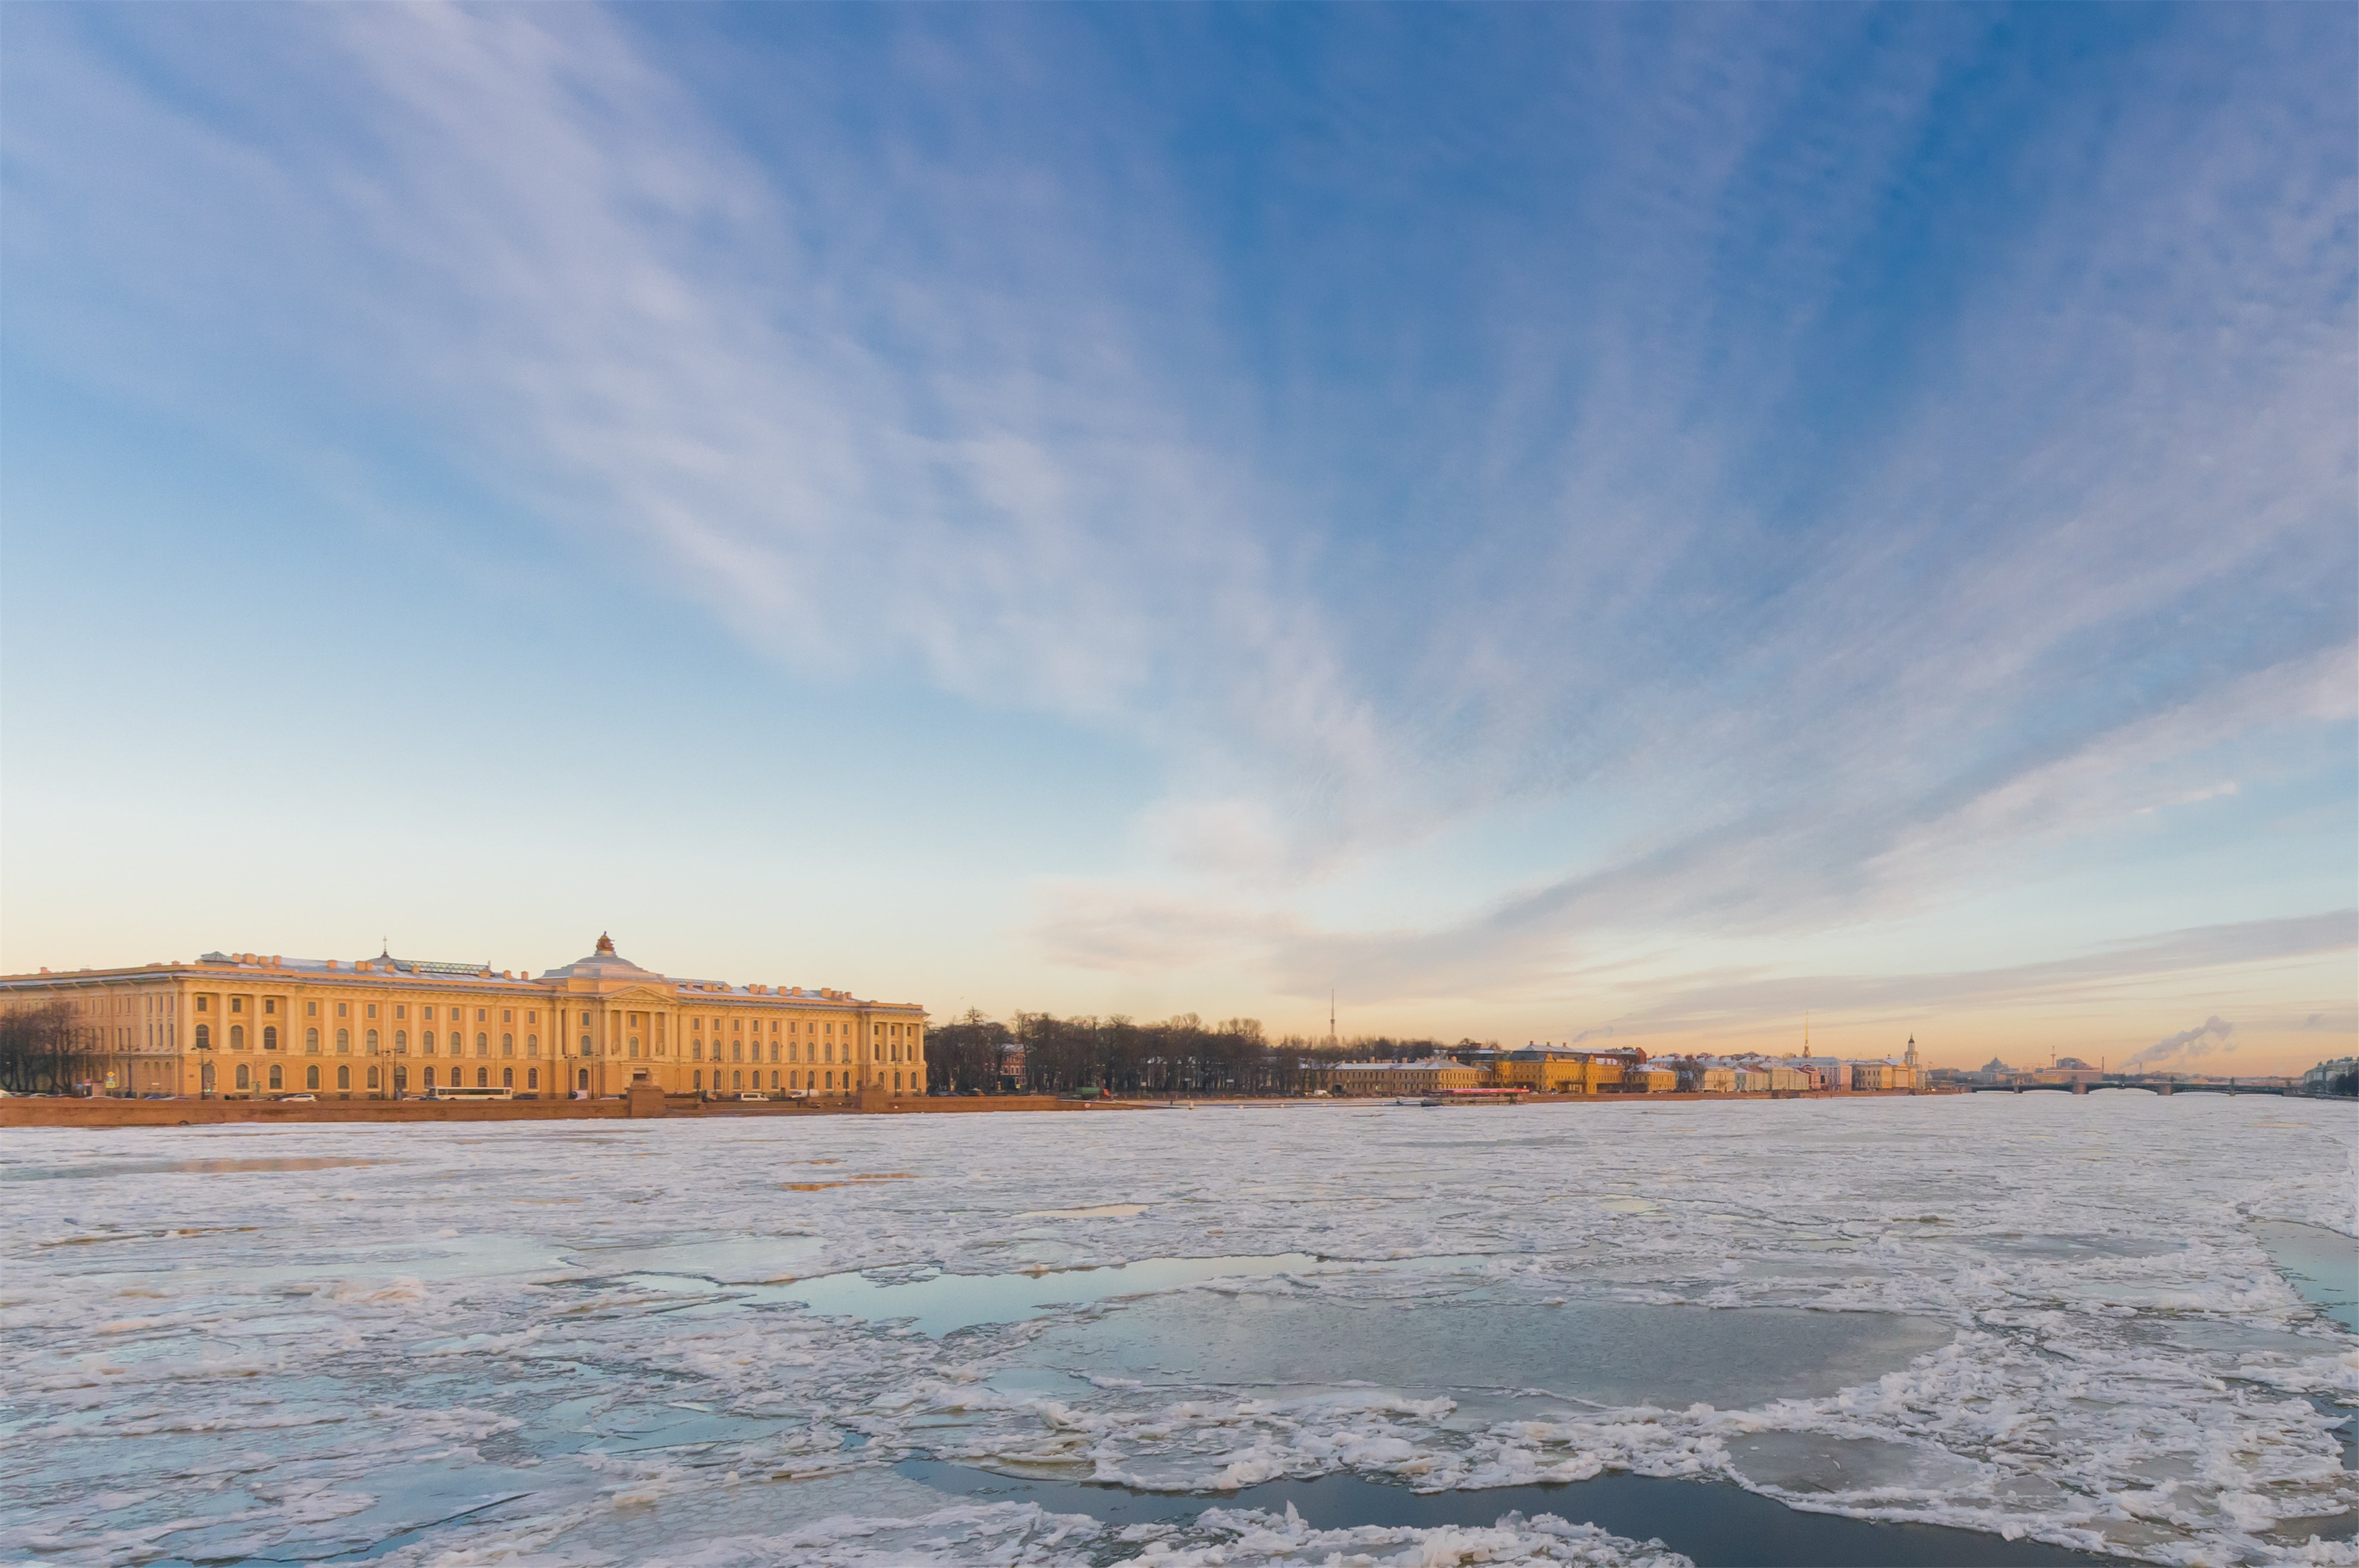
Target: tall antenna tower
(1330, 1019)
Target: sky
(1591, 523)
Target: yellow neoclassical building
(249, 1024)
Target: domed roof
(603, 964)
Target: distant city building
(2324, 1078)
(265, 1025)
(1404, 1077)
(1551, 1071)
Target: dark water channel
(1718, 1527)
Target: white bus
(453, 1091)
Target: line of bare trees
(1181, 1055)
(43, 1050)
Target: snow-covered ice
(713, 1341)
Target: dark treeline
(1181, 1055)
(43, 1050)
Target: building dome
(603, 964)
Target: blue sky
(1609, 521)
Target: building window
(311, 1077)
(532, 1045)
(204, 1004)
(533, 1016)
(401, 1042)
(310, 1009)
(586, 1041)
(343, 1010)
(344, 1042)
(371, 1081)
(736, 1080)
(242, 1082)
(482, 1074)
(581, 1076)
(532, 1077)
(430, 1077)
(270, 1037)
(507, 1077)
(237, 1037)
(774, 1080)
(635, 1047)
(311, 1044)
(508, 1015)
(270, 1006)
(372, 1042)
(372, 1009)
(237, 1004)
(696, 1081)
(401, 1080)
(696, 1050)
(482, 1042)
(482, 1018)
(343, 1077)
(205, 1036)
(736, 1050)
(507, 1045)
(401, 1011)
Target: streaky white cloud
(1849, 602)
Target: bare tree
(43, 1050)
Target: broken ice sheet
(593, 1333)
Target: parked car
(295, 1099)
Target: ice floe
(2050, 1319)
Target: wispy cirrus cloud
(1844, 457)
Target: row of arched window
(808, 1081)
(370, 1043)
(275, 1077)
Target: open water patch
(937, 1304)
(941, 1304)
(1714, 1526)
(1606, 1355)
(2322, 1264)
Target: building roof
(602, 969)
(604, 963)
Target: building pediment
(641, 995)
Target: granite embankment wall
(101, 1113)
(76, 1113)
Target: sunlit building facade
(247, 1024)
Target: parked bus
(453, 1091)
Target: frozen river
(1539, 1332)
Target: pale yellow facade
(1404, 1077)
(1553, 1074)
(247, 1024)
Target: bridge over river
(2091, 1082)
